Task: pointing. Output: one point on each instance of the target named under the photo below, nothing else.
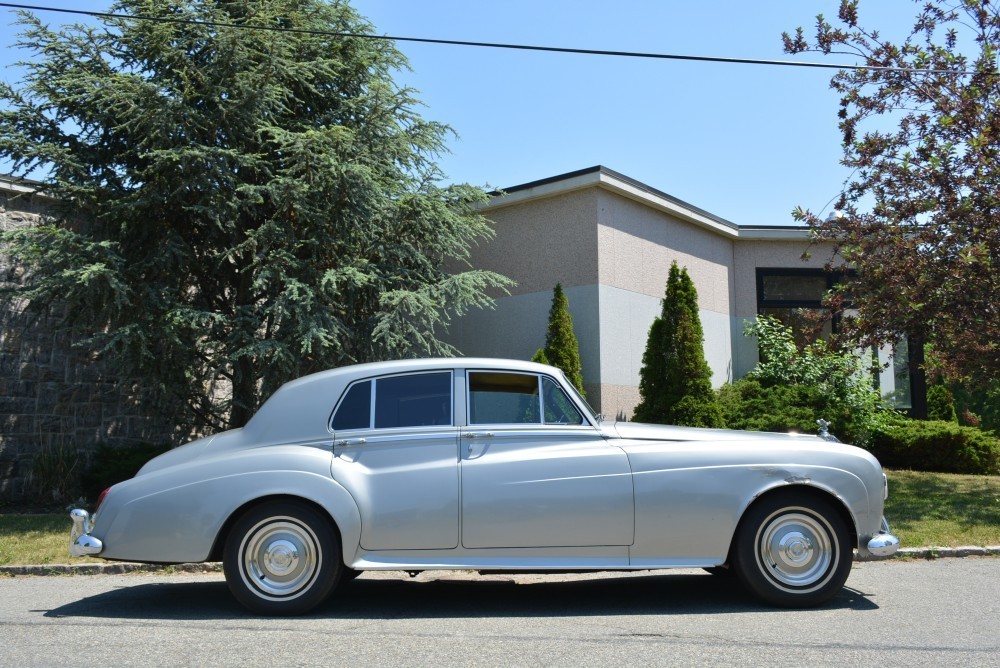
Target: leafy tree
(921, 219)
(238, 207)
(675, 382)
(561, 348)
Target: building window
(795, 297)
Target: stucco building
(610, 240)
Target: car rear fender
(183, 523)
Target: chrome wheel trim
(280, 558)
(797, 550)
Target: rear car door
(396, 449)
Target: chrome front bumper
(883, 544)
(81, 543)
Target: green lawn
(924, 509)
(943, 509)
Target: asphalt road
(895, 613)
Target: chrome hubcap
(796, 548)
(280, 557)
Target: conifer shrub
(561, 347)
(939, 446)
(675, 381)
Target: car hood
(662, 432)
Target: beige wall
(638, 244)
(543, 242)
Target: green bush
(792, 407)
(941, 404)
(939, 446)
(839, 380)
(110, 465)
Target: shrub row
(937, 445)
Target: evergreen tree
(675, 382)
(239, 207)
(540, 357)
(561, 347)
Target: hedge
(938, 446)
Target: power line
(491, 45)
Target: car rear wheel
(282, 558)
(793, 551)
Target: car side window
(558, 407)
(355, 409)
(414, 400)
(503, 398)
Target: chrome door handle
(478, 434)
(350, 441)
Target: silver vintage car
(487, 464)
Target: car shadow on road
(462, 595)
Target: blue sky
(745, 142)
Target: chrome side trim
(81, 543)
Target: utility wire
(492, 45)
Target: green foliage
(561, 347)
(979, 406)
(540, 357)
(944, 447)
(842, 379)
(793, 407)
(941, 404)
(110, 465)
(675, 381)
(55, 475)
(236, 208)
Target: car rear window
(414, 400)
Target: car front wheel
(793, 551)
(282, 558)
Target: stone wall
(56, 401)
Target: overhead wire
(492, 45)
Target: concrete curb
(120, 568)
(117, 568)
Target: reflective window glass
(355, 411)
(558, 407)
(503, 398)
(415, 400)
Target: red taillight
(100, 499)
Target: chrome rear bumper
(81, 543)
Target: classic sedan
(487, 464)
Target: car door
(535, 472)
(396, 452)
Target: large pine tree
(239, 206)
(675, 382)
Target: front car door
(535, 471)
